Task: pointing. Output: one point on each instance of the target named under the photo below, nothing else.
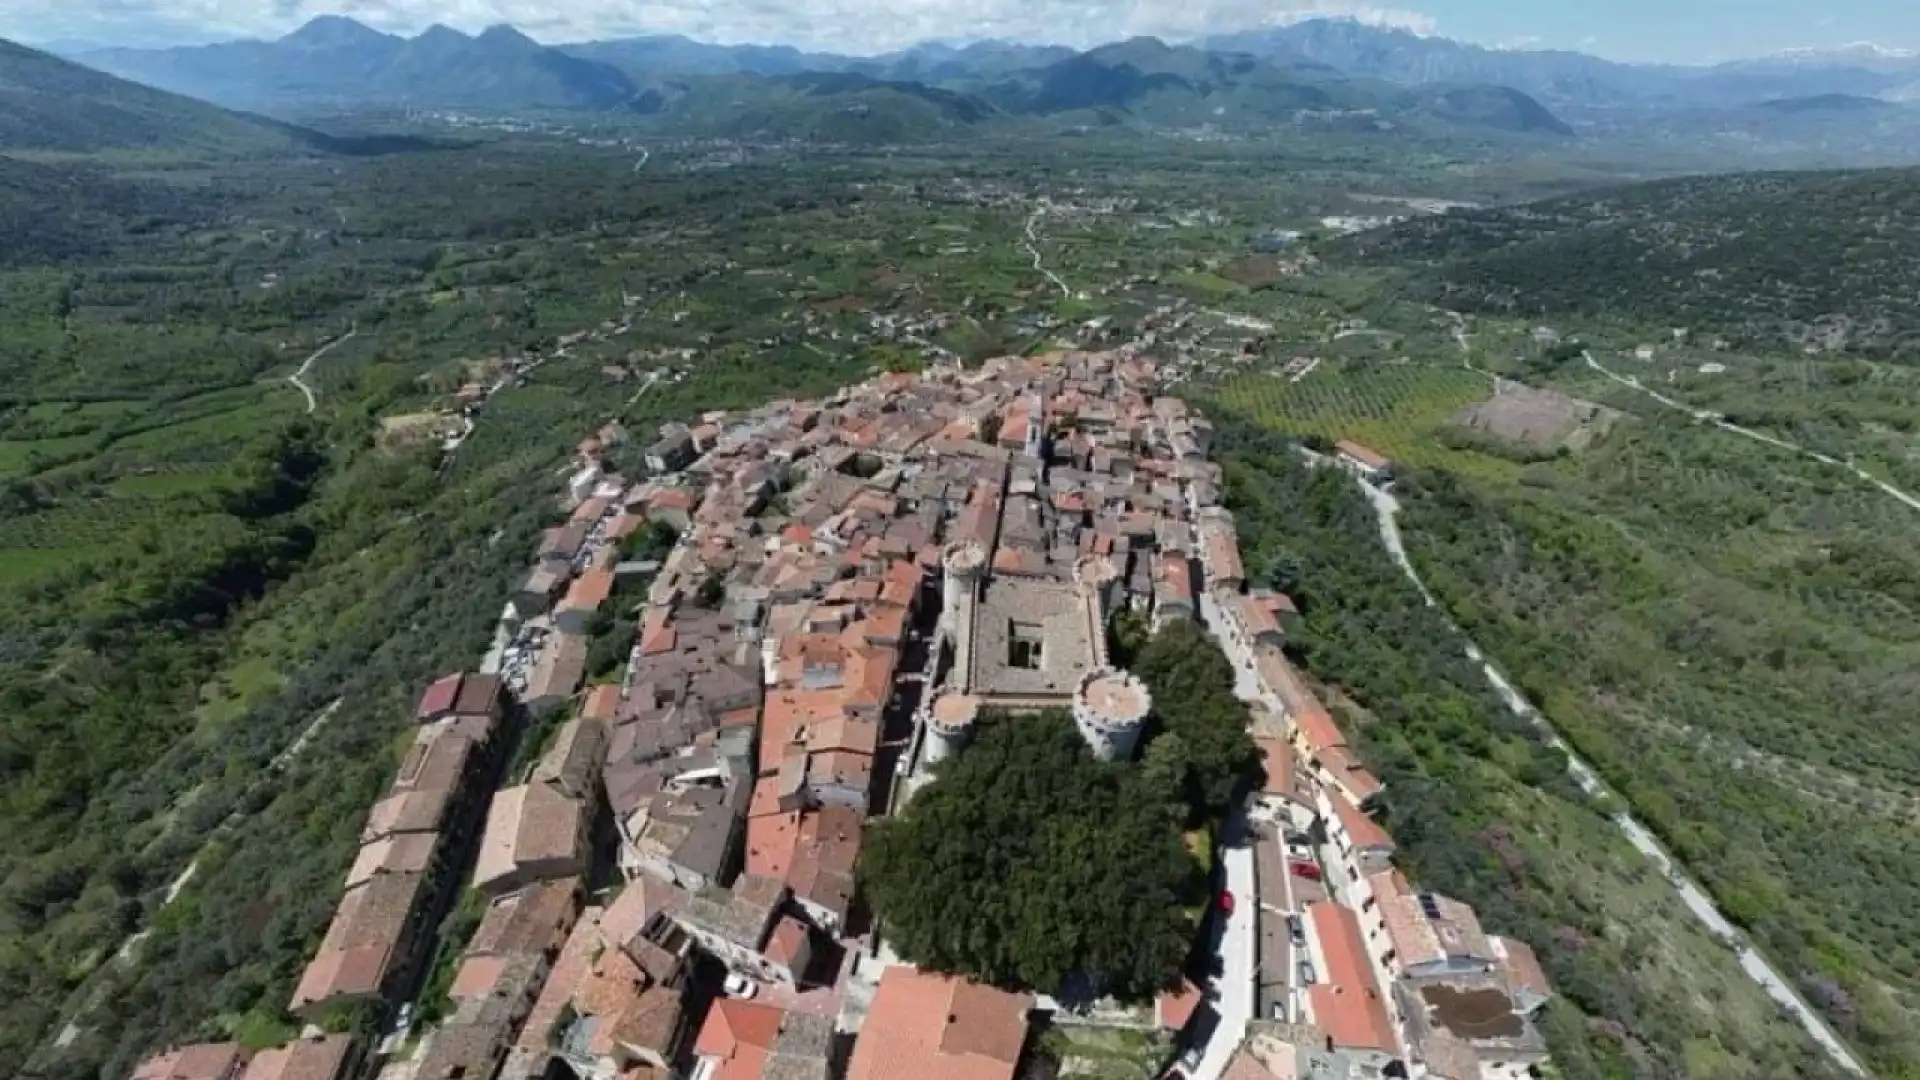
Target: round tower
(1110, 707)
(965, 564)
(949, 722)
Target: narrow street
(1236, 949)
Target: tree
(1192, 685)
(1028, 864)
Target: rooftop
(937, 1027)
(1031, 639)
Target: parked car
(1226, 901)
(1279, 1011)
(739, 986)
(1307, 975)
(1306, 869)
(1295, 930)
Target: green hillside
(1816, 259)
(50, 105)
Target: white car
(739, 986)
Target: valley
(285, 403)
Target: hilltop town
(644, 809)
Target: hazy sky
(1686, 31)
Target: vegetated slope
(53, 215)
(50, 104)
(1150, 81)
(823, 106)
(334, 62)
(1483, 810)
(1501, 108)
(1823, 259)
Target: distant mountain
(1498, 107)
(1571, 78)
(334, 61)
(1147, 80)
(47, 103)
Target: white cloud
(851, 25)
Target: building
(200, 1061)
(745, 1040)
(735, 925)
(1370, 464)
(1345, 1001)
(328, 1057)
(1364, 847)
(924, 1026)
(1110, 708)
(1468, 1030)
(674, 450)
(615, 998)
(543, 830)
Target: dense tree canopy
(1192, 684)
(1028, 863)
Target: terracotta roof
(375, 913)
(639, 902)
(588, 591)
(1277, 767)
(342, 973)
(739, 1037)
(1362, 830)
(1174, 1008)
(407, 812)
(1428, 928)
(1352, 776)
(1345, 1003)
(439, 698)
(602, 703)
(1521, 970)
(569, 968)
(529, 921)
(324, 1058)
(770, 840)
(1367, 456)
(200, 1061)
(527, 824)
(400, 853)
(924, 1026)
(788, 943)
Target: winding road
(298, 378)
(1710, 417)
(1032, 246)
(1756, 966)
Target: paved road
(298, 378)
(1235, 946)
(1756, 966)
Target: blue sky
(1681, 31)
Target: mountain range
(336, 61)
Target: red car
(1226, 902)
(1305, 869)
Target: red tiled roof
(739, 1036)
(923, 1026)
(439, 698)
(1367, 456)
(324, 1058)
(1362, 830)
(1345, 1003)
(1175, 1008)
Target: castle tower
(966, 567)
(1110, 707)
(965, 564)
(949, 724)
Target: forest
(1822, 260)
